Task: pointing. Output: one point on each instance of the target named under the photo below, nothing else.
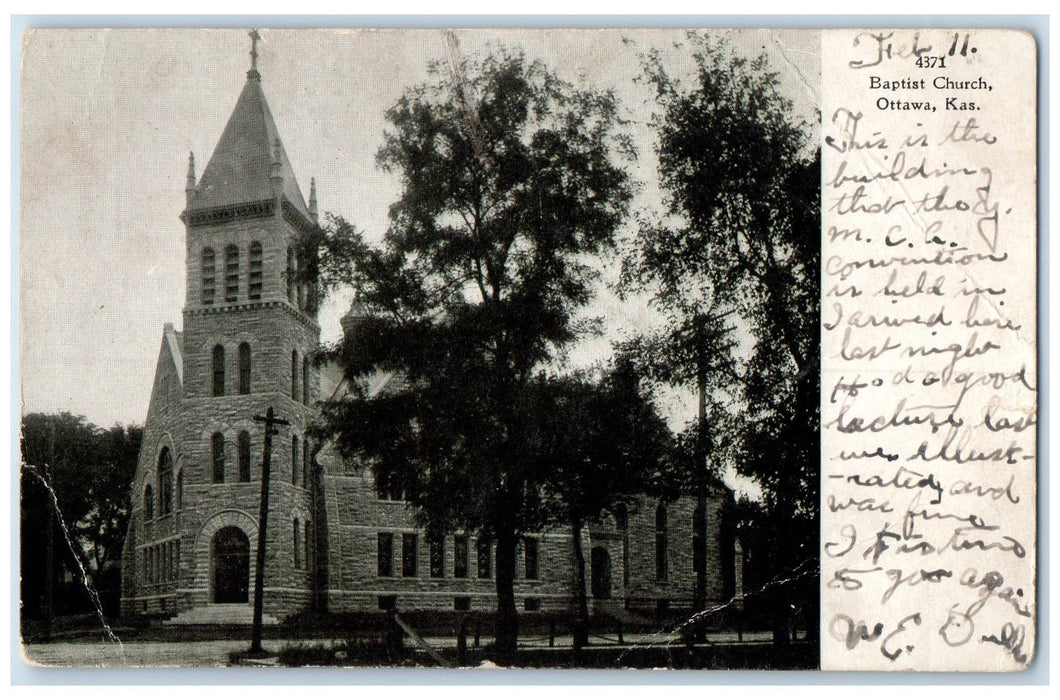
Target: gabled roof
(174, 339)
(240, 169)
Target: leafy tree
(734, 265)
(85, 472)
(511, 180)
(601, 443)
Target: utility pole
(271, 421)
(700, 535)
(708, 337)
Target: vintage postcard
(623, 348)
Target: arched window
(165, 482)
(209, 279)
(306, 480)
(231, 273)
(178, 491)
(217, 446)
(290, 275)
(218, 370)
(661, 544)
(254, 276)
(305, 381)
(294, 459)
(296, 536)
(294, 375)
(149, 502)
(244, 455)
(244, 368)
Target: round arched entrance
(230, 565)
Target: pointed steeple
(355, 314)
(313, 198)
(248, 156)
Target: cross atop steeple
(254, 39)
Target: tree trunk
(581, 623)
(507, 620)
(781, 621)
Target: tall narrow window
(290, 275)
(179, 490)
(305, 381)
(301, 284)
(231, 273)
(485, 561)
(530, 557)
(460, 554)
(436, 552)
(408, 554)
(244, 455)
(661, 544)
(294, 375)
(209, 278)
(149, 502)
(165, 482)
(295, 460)
(385, 554)
(306, 480)
(218, 361)
(307, 531)
(699, 549)
(244, 368)
(217, 445)
(297, 536)
(254, 275)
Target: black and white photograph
(403, 348)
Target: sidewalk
(215, 653)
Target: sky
(108, 118)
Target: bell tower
(250, 329)
(245, 218)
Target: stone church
(334, 541)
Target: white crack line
(84, 573)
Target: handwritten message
(929, 376)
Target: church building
(334, 541)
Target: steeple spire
(313, 198)
(189, 187)
(254, 39)
(249, 164)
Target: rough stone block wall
(356, 516)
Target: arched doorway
(230, 562)
(601, 573)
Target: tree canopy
(85, 471)
(600, 443)
(734, 265)
(511, 179)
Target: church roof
(240, 169)
(175, 341)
